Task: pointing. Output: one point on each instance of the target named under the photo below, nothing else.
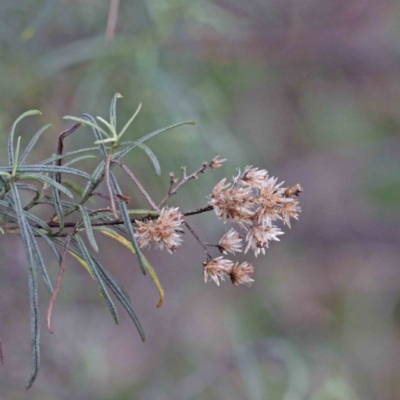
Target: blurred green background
(310, 91)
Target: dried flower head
(288, 210)
(259, 236)
(165, 231)
(253, 177)
(233, 202)
(217, 162)
(241, 274)
(217, 268)
(231, 242)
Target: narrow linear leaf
(97, 133)
(130, 121)
(37, 221)
(108, 140)
(57, 204)
(109, 126)
(93, 268)
(82, 262)
(32, 143)
(33, 284)
(49, 241)
(74, 187)
(40, 262)
(113, 110)
(111, 233)
(96, 178)
(88, 227)
(49, 168)
(68, 154)
(10, 145)
(120, 295)
(127, 222)
(31, 239)
(14, 167)
(35, 329)
(87, 121)
(27, 186)
(77, 159)
(152, 157)
(49, 181)
(9, 212)
(74, 253)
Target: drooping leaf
(122, 298)
(27, 237)
(127, 222)
(111, 233)
(95, 273)
(152, 157)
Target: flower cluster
(164, 231)
(254, 201)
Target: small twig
(58, 283)
(107, 176)
(102, 195)
(112, 20)
(14, 228)
(138, 184)
(1, 353)
(185, 178)
(198, 211)
(60, 147)
(202, 244)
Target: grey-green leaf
(32, 143)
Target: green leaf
(127, 222)
(109, 126)
(157, 132)
(49, 168)
(49, 181)
(111, 233)
(85, 121)
(49, 241)
(113, 110)
(130, 121)
(134, 144)
(11, 135)
(14, 167)
(97, 133)
(77, 159)
(27, 237)
(32, 143)
(95, 272)
(152, 157)
(73, 186)
(96, 177)
(57, 204)
(68, 154)
(108, 140)
(88, 227)
(27, 186)
(120, 294)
